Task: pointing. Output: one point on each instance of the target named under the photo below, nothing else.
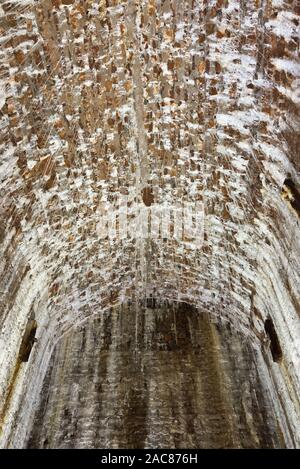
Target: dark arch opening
(275, 347)
(291, 193)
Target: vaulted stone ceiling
(188, 101)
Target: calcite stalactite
(197, 100)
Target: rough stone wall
(197, 99)
(156, 378)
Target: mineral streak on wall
(166, 102)
(165, 377)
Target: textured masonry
(165, 102)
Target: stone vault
(159, 103)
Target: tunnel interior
(149, 235)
